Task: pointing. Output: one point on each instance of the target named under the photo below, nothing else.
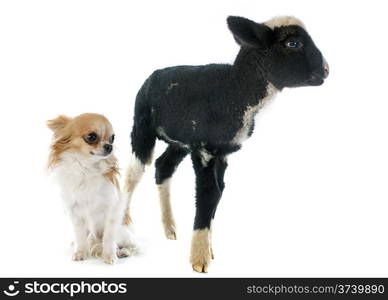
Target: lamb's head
(287, 52)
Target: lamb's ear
(249, 33)
(58, 123)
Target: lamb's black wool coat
(198, 107)
(208, 110)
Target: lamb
(208, 111)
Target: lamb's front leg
(81, 250)
(208, 194)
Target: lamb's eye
(112, 138)
(294, 44)
(91, 138)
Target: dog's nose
(108, 148)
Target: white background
(306, 196)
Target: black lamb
(208, 111)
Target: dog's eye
(112, 138)
(91, 138)
(294, 44)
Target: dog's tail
(143, 138)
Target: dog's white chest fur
(84, 186)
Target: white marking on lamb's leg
(210, 240)
(200, 250)
(133, 176)
(165, 205)
(205, 157)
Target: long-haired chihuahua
(82, 159)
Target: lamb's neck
(251, 70)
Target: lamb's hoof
(200, 255)
(169, 231)
(80, 255)
(110, 259)
(211, 253)
(123, 252)
(201, 268)
(171, 235)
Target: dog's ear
(249, 33)
(58, 123)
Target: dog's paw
(123, 252)
(127, 220)
(200, 268)
(109, 258)
(80, 255)
(96, 250)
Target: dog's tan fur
(85, 170)
(69, 134)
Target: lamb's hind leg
(133, 176)
(143, 142)
(166, 165)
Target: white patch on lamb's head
(292, 57)
(284, 21)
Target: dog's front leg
(81, 251)
(109, 240)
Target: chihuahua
(82, 159)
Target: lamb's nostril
(108, 148)
(326, 68)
